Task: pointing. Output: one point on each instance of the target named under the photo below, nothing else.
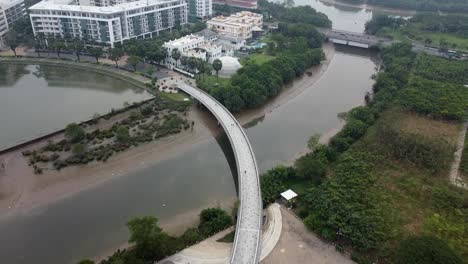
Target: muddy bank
(21, 189)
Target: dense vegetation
(426, 250)
(292, 50)
(439, 69)
(383, 179)
(439, 99)
(150, 121)
(150, 243)
(298, 14)
(456, 6)
(442, 31)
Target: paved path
(247, 242)
(298, 245)
(211, 252)
(455, 177)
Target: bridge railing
(227, 128)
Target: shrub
(74, 133)
(425, 250)
(213, 220)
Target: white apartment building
(107, 21)
(10, 11)
(240, 24)
(201, 9)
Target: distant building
(10, 11)
(193, 45)
(239, 25)
(107, 21)
(200, 9)
(250, 4)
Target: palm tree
(175, 54)
(217, 65)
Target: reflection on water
(345, 17)
(36, 99)
(93, 221)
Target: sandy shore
(22, 190)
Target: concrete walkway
(246, 247)
(455, 177)
(298, 245)
(211, 252)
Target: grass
(460, 42)
(408, 188)
(211, 81)
(175, 96)
(412, 123)
(256, 58)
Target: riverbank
(21, 190)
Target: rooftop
(66, 6)
(184, 40)
(288, 195)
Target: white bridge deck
(246, 247)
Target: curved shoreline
(102, 68)
(54, 186)
(73, 180)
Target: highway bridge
(353, 39)
(246, 246)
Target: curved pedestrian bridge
(246, 246)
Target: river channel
(175, 189)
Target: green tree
(425, 250)
(213, 220)
(96, 52)
(175, 54)
(311, 168)
(122, 134)
(74, 133)
(11, 40)
(78, 48)
(217, 65)
(313, 142)
(115, 55)
(150, 241)
(133, 61)
(59, 45)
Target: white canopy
(288, 195)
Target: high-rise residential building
(10, 11)
(200, 9)
(107, 21)
(249, 4)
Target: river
(36, 100)
(93, 221)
